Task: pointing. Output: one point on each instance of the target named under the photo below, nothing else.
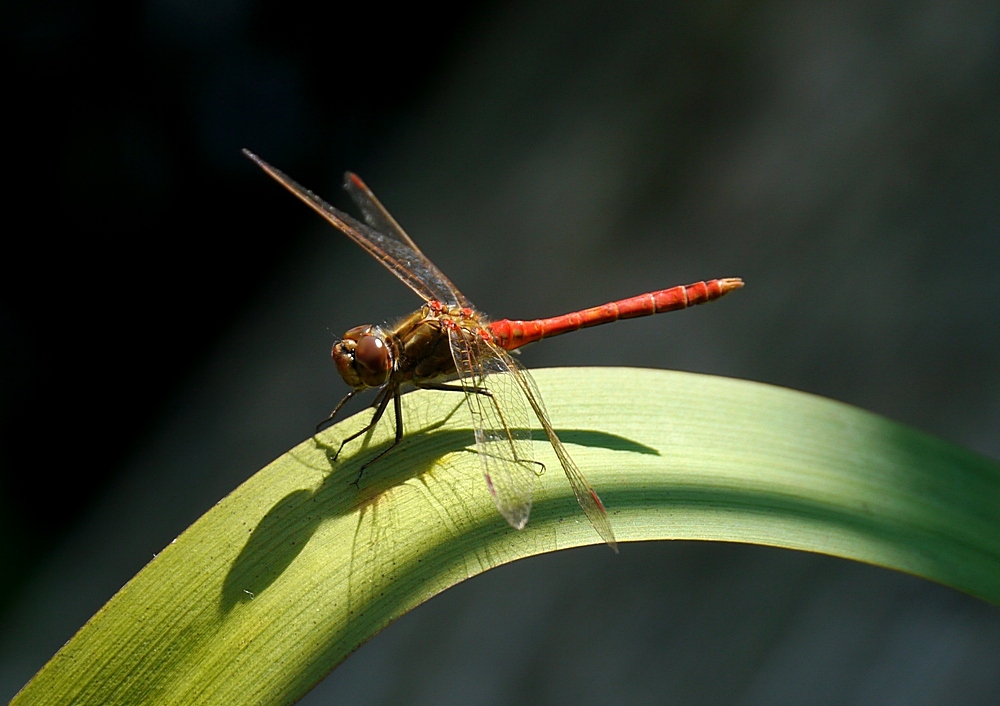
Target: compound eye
(372, 355)
(356, 333)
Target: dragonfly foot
(339, 449)
(357, 480)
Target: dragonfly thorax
(364, 357)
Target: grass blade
(297, 568)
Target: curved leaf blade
(296, 568)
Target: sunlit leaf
(295, 569)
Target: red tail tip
(729, 284)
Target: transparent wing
(503, 438)
(589, 501)
(374, 212)
(396, 252)
(501, 423)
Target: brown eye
(357, 332)
(372, 355)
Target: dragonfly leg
(398, 409)
(454, 388)
(333, 414)
(383, 401)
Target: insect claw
(336, 453)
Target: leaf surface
(296, 568)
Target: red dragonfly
(447, 339)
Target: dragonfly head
(363, 357)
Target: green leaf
(295, 569)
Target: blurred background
(167, 310)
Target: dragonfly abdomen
(514, 334)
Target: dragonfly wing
(381, 221)
(401, 257)
(585, 494)
(501, 425)
(374, 212)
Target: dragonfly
(448, 340)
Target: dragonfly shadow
(598, 439)
(287, 527)
(285, 530)
(273, 545)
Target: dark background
(167, 310)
